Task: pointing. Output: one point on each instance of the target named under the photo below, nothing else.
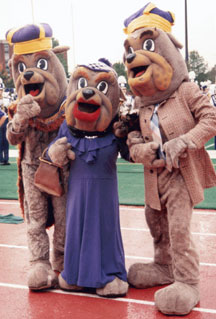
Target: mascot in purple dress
(94, 255)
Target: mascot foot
(177, 299)
(41, 276)
(65, 286)
(114, 289)
(149, 275)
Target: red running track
(17, 302)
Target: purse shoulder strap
(42, 158)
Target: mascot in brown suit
(176, 121)
(41, 86)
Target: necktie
(156, 132)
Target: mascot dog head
(93, 97)
(154, 64)
(35, 67)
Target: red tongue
(34, 92)
(139, 73)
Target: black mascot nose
(87, 93)
(28, 75)
(130, 57)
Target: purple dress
(94, 253)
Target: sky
(93, 29)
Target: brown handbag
(49, 178)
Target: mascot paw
(149, 275)
(65, 286)
(41, 277)
(60, 152)
(119, 129)
(177, 299)
(114, 289)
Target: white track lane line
(127, 300)
(12, 202)
(147, 230)
(196, 211)
(126, 256)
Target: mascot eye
(148, 45)
(103, 87)
(82, 83)
(21, 67)
(42, 64)
(130, 50)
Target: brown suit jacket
(188, 112)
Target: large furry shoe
(41, 276)
(65, 286)
(177, 299)
(114, 289)
(150, 275)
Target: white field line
(212, 154)
(127, 300)
(13, 153)
(208, 146)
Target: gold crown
(149, 19)
(30, 46)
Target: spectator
(212, 92)
(213, 102)
(1, 93)
(4, 145)
(205, 91)
(127, 104)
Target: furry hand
(119, 129)
(134, 137)
(27, 108)
(146, 154)
(60, 152)
(175, 149)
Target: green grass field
(130, 182)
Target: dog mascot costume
(41, 86)
(176, 166)
(94, 255)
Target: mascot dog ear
(60, 49)
(175, 41)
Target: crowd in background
(7, 96)
(210, 91)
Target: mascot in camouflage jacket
(41, 86)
